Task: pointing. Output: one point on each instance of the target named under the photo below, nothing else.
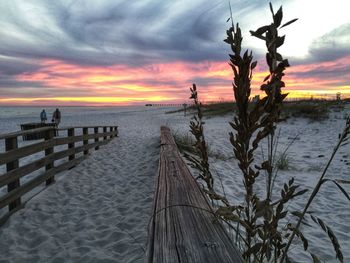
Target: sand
(99, 211)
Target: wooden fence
(98, 136)
(182, 228)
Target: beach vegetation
(283, 162)
(210, 109)
(316, 110)
(185, 142)
(264, 223)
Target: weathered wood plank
(97, 138)
(48, 136)
(10, 144)
(104, 131)
(85, 141)
(42, 162)
(24, 151)
(25, 132)
(81, 127)
(182, 228)
(70, 133)
(78, 138)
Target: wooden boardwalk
(182, 228)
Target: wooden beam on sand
(181, 227)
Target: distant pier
(167, 105)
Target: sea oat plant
(262, 216)
(264, 226)
(196, 128)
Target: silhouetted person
(56, 117)
(43, 116)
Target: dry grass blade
(340, 181)
(344, 136)
(338, 185)
(332, 237)
(300, 235)
(342, 189)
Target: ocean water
(12, 117)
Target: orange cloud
(63, 83)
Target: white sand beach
(99, 211)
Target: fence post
(71, 145)
(11, 144)
(104, 131)
(85, 142)
(96, 139)
(116, 131)
(49, 134)
(111, 130)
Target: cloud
(113, 32)
(332, 45)
(129, 48)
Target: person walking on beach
(43, 116)
(56, 117)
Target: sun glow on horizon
(57, 82)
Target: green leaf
(253, 65)
(256, 35)
(262, 30)
(301, 192)
(283, 214)
(279, 57)
(224, 210)
(291, 181)
(266, 78)
(271, 8)
(279, 41)
(299, 234)
(277, 18)
(254, 249)
(290, 22)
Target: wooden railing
(182, 228)
(98, 136)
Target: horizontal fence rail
(90, 137)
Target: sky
(114, 52)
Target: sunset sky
(113, 52)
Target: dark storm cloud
(11, 67)
(131, 32)
(121, 32)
